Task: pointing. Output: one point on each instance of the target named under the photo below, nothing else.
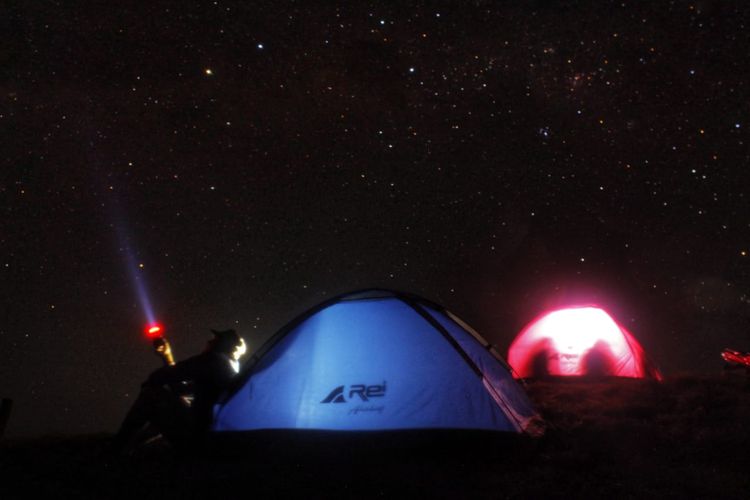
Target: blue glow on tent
(376, 364)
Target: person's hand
(164, 350)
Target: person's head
(227, 342)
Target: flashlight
(160, 343)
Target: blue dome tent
(372, 361)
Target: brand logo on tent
(364, 392)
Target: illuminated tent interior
(376, 360)
(578, 341)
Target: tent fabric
(578, 341)
(376, 361)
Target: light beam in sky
(139, 286)
(134, 267)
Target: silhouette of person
(539, 364)
(598, 361)
(177, 400)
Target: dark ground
(684, 438)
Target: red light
(563, 343)
(153, 331)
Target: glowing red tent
(578, 341)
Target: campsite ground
(684, 438)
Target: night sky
(248, 160)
